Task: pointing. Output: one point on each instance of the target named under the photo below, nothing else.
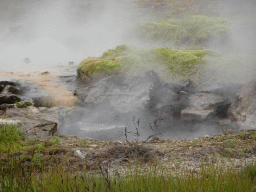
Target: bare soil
(48, 83)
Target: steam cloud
(49, 32)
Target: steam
(58, 31)
(237, 63)
(52, 32)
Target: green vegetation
(44, 165)
(195, 30)
(12, 178)
(180, 63)
(92, 65)
(24, 105)
(11, 139)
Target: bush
(197, 30)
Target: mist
(51, 33)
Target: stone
(243, 109)
(123, 92)
(27, 60)
(226, 90)
(203, 106)
(204, 101)
(191, 114)
(79, 154)
(34, 124)
(6, 106)
(44, 73)
(8, 98)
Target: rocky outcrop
(123, 92)
(243, 109)
(205, 105)
(19, 110)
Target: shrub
(197, 30)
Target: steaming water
(53, 33)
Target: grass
(30, 165)
(11, 139)
(210, 178)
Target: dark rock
(45, 73)
(10, 86)
(8, 98)
(203, 106)
(188, 87)
(226, 90)
(27, 60)
(6, 106)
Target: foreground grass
(15, 178)
(24, 168)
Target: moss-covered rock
(91, 65)
(178, 63)
(181, 62)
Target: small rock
(10, 122)
(79, 154)
(45, 73)
(152, 138)
(33, 109)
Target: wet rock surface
(114, 103)
(243, 109)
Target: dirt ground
(172, 156)
(48, 83)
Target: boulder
(8, 98)
(15, 91)
(31, 121)
(124, 93)
(243, 109)
(203, 106)
(10, 87)
(226, 90)
(192, 114)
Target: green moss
(118, 51)
(24, 105)
(91, 65)
(180, 63)
(197, 30)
